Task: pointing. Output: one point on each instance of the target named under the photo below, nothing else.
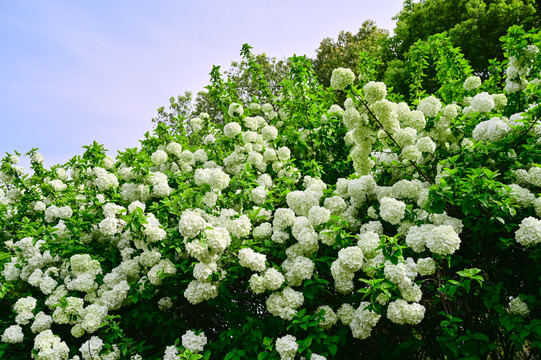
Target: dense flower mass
(329, 216)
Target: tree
(474, 26)
(240, 76)
(345, 51)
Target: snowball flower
(235, 110)
(429, 106)
(375, 91)
(232, 129)
(13, 334)
(482, 102)
(191, 224)
(392, 210)
(490, 130)
(194, 343)
(472, 83)
(443, 240)
(518, 307)
(341, 78)
(529, 232)
(158, 157)
(426, 266)
(251, 259)
(287, 347)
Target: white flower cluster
(375, 91)
(287, 347)
(343, 269)
(53, 212)
(49, 346)
(341, 78)
(329, 317)
(362, 321)
(426, 266)
(235, 110)
(298, 269)
(13, 334)
(158, 157)
(194, 343)
(529, 232)
(271, 279)
(191, 224)
(518, 307)
(472, 83)
(392, 210)
(429, 106)
(214, 177)
(252, 260)
(285, 303)
(232, 129)
(482, 102)
(442, 239)
(400, 312)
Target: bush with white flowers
(289, 228)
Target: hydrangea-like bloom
(443, 240)
(158, 157)
(491, 130)
(472, 83)
(426, 266)
(518, 307)
(482, 102)
(250, 259)
(329, 317)
(341, 78)
(235, 110)
(13, 334)
(232, 129)
(392, 210)
(400, 312)
(194, 343)
(363, 321)
(191, 224)
(375, 91)
(287, 347)
(429, 106)
(285, 303)
(529, 232)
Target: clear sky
(72, 72)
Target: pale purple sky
(72, 72)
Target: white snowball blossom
(193, 342)
(529, 232)
(287, 347)
(341, 78)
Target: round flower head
(518, 307)
(429, 106)
(529, 232)
(235, 110)
(482, 102)
(194, 343)
(472, 83)
(341, 78)
(375, 91)
(287, 347)
(232, 129)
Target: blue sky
(72, 72)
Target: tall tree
(475, 26)
(345, 51)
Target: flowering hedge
(297, 228)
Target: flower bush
(290, 228)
